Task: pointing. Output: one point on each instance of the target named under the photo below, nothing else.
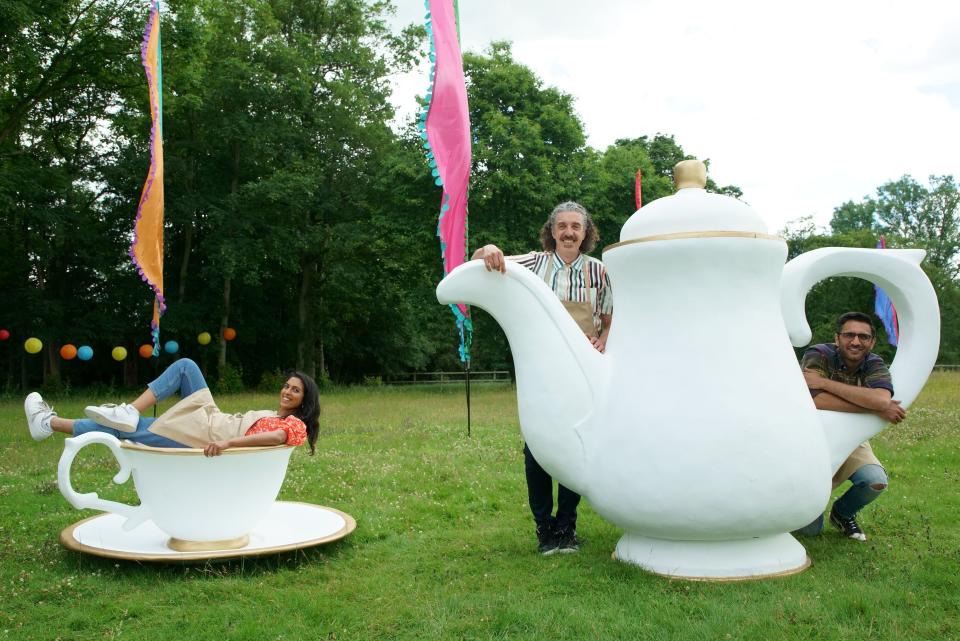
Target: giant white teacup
(695, 432)
(202, 503)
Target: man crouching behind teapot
(846, 377)
(581, 284)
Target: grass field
(444, 547)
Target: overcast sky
(801, 105)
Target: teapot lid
(692, 211)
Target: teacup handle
(135, 514)
(898, 272)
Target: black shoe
(547, 539)
(849, 526)
(567, 541)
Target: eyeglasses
(849, 336)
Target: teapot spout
(560, 376)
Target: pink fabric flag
(445, 127)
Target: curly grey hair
(590, 235)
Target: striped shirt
(567, 280)
(825, 359)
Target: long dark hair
(309, 410)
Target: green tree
(928, 217)
(65, 69)
(528, 147)
(609, 178)
(910, 215)
(851, 217)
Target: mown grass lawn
(444, 547)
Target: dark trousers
(540, 493)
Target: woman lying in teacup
(195, 421)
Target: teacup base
(181, 545)
(743, 559)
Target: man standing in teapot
(846, 377)
(581, 284)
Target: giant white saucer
(287, 526)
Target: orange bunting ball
(229, 333)
(68, 352)
(146, 350)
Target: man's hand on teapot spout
(600, 344)
(893, 412)
(492, 257)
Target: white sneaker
(38, 416)
(121, 417)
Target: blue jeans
(860, 494)
(182, 376)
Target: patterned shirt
(295, 428)
(567, 280)
(826, 360)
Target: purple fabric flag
(884, 309)
(445, 128)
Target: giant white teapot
(695, 432)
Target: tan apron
(582, 313)
(861, 456)
(196, 420)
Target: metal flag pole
(466, 369)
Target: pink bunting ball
(4, 334)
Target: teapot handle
(898, 272)
(135, 514)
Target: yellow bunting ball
(119, 353)
(32, 345)
(204, 338)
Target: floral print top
(295, 428)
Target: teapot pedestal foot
(182, 545)
(742, 559)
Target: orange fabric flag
(146, 250)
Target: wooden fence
(493, 376)
(442, 378)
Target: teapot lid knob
(690, 173)
(692, 210)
